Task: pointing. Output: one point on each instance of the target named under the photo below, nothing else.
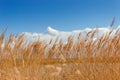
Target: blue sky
(66, 15)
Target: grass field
(86, 59)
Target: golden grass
(87, 59)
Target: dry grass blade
(113, 22)
(2, 37)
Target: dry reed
(84, 60)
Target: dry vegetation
(87, 59)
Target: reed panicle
(86, 59)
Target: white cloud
(53, 34)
